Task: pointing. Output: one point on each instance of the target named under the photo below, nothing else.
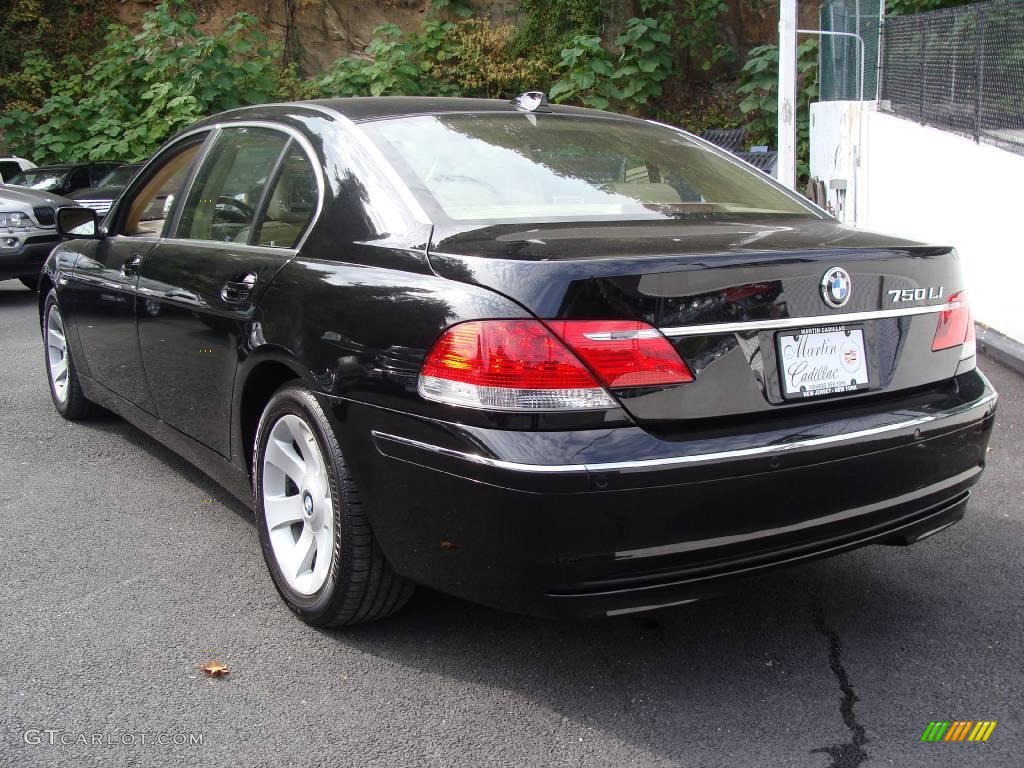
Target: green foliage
(759, 88)
(547, 25)
(451, 8)
(590, 75)
(391, 69)
(34, 34)
(586, 70)
(632, 73)
(126, 94)
(144, 88)
(466, 58)
(699, 34)
(715, 105)
(477, 59)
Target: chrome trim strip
(643, 333)
(288, 130)
(804, 322)
(376, 157)
(639, 608)
(684, 460)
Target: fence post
(881, 90)
(921, 79)
(979, 72)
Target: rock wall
(325, 30)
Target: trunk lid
(730, 297)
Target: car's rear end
(700, 388)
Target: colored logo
(959, 730)
(835, 287)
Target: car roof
(381, 107)
(69, 166)
(367, 108)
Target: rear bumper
(26, 260)
(611, 521)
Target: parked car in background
(65, 178)
(27, 232)
(554, 360)
(101, 197)
(11, 166)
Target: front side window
(536, 167)
(148, 206)
(222, 203)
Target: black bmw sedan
(553, 360)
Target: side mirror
(78, 223)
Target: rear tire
(32, 283)
(65, 387)
(314, 532)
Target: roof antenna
(531, 101)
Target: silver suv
(27, 232)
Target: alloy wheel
(297, 504)
(57, 353)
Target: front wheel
(65, 388)
(313, 529)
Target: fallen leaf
(215, 668)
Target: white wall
(933, 186)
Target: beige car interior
(646, 192)
(284, 220)
(149, 209)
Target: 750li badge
(916, 294)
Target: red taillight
(624, 353)
(525, 365)
(508, 365)
(955, 327)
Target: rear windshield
(539, 167)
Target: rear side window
(494, 167)
(291, 203)
(223, 201)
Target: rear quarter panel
(361, 332)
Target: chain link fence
(960, 69)
(839, 57)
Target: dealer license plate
(822, 361)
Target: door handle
(237, 291)
(130, 268)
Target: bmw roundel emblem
(836, 286)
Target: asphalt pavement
(124, 569)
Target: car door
(198, 289)
(103, 290)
